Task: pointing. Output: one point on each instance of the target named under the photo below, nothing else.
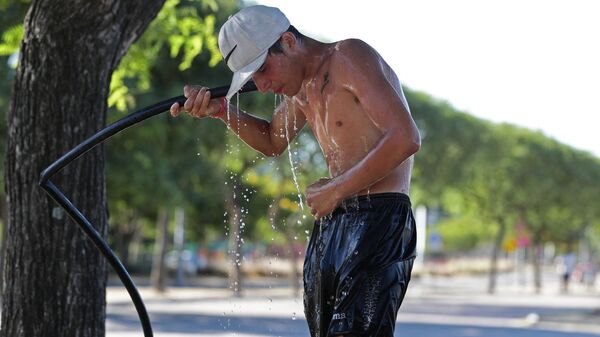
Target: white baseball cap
(245, 39)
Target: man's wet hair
(276, 48)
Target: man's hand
(198, 103)
(321, 198)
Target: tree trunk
(288, 233)
(54, 277)
(494, 258)
(235, 241)
(4, 218)
(124, 235)
(295, 274)
(159, 273)
(179, 243)
(537, 262)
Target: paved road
(433, 308)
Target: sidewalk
(579, 310)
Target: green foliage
(182, 28)
(6, 4)
(500, 175)
(463, 232)
(483, 175)
(11, 39)
(12, 12)
(168, 162)
(450, 141)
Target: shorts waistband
(367, 201)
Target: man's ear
(288, 40)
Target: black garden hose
(80, 219)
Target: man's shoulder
(355, 51)
(350, 46)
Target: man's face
(278, 75)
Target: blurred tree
(490, 190)
(499, 174)
(546, 176)
(450, 140)
(164, 164)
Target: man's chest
(335, 116)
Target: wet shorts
(357, 267)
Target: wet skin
(354, 104)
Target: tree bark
(54, 279)
(4, 219)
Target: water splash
(294, 177)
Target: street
(434, 306)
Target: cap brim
(243, 75)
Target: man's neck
(315, 54)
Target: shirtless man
(360, 254)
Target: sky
(532, 63)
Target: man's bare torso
(341, 125)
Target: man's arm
(365, 75)
(381, 97)
(269, 138)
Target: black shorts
(357, 267)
